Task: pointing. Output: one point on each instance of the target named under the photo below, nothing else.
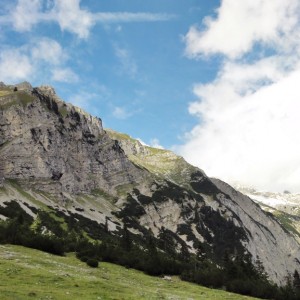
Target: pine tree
(106, 229)
(126, 239)
(184, 253)
(296, 281)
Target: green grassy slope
(31, 274)
(160, 162)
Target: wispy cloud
(119, 17)
(121, 113)
(248, 119)
(128, 65)
(15, 65)
(86, 99)
(34, 61)
(92, 100)
(25, 15)
(64, 75)
(155, 143)
(69, 16)
(48, 50)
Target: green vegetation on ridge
(9, 98)
(288, 221)
(159, 162)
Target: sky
(215, 81)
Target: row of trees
(17, 231)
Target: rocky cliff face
(57, 148)
(54, 154)
(263, 233)
(284, 206)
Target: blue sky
(216, 81)
(131, 73)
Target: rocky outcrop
(58, 148)
(55, 154)
(23, 86)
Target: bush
(83, 258)
(92, 263)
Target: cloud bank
(248, 115)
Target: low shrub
(92, 263)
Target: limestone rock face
(267, 240)
(58, 148)
(55, 154)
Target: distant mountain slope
(284, 206)
(54, 156)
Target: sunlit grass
(31, 274)
(5, 92)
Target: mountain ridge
(56, 155)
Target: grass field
(5, 92)
(31, 274)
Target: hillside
(38, 275)
(68, 184)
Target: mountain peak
(47, 89)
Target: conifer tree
(296, 281)
(126, 239)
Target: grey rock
(59, 148)
(267, 239)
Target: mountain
(57, 159)
(284, 206)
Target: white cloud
(26, 14)
(156, 144)
(67, 13)
(121, 113)
(49, 51)
(251, 138)
(64, 75)
(69, 16)
(241, 24)
(142, 142)
(248, 115)
(14, 65)
(72, 18)
(35, 60)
